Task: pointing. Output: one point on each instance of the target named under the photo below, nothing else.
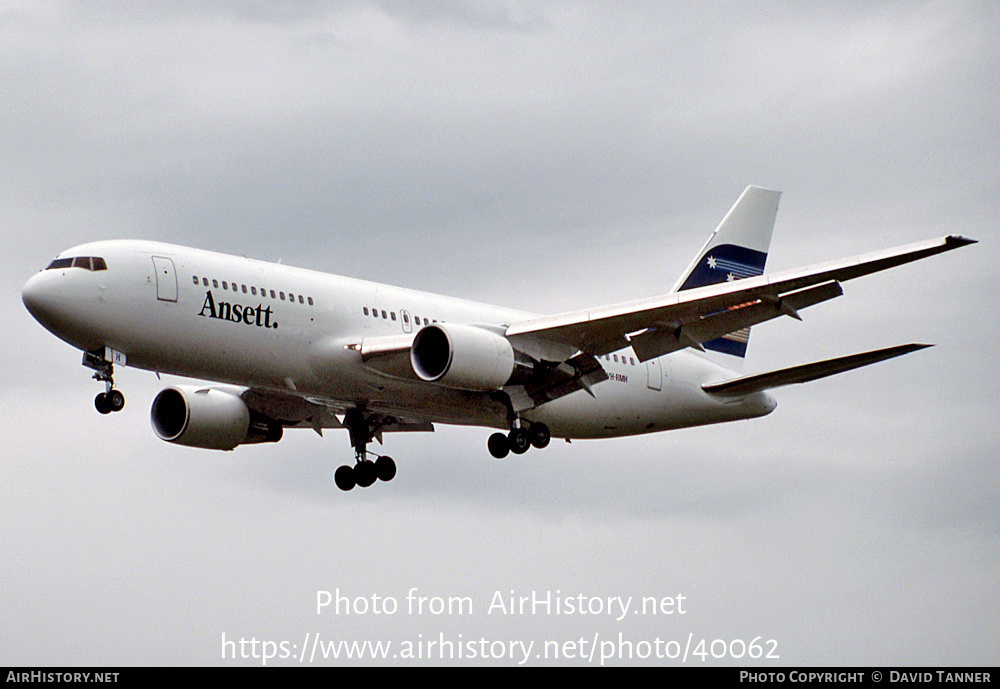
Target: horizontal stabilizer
(807, 372)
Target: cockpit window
(88, 262)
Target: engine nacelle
(209, 418)
(462, 356)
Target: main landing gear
(111, 399)
(365, 471)
(519, 440)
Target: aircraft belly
(615, 409)
(632, 406)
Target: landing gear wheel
(344, 478)
(540, 435)
(385, 468)
(518, 441)
(116, 400)
(365, 473)
(102, 403)
(498, 445)
(369, 467)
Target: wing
(657, 326)
(293, 410)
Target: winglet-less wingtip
(807, 372)
(956, 241)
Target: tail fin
(737, 249)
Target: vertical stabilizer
(737, 249)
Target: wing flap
(296, 411)
(746, 385)
(581, 372)
(668, 337)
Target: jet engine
(462, 356)
(209, 418)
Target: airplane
(286, 347)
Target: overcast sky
(542, 155)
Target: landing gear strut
(111, 399)
(519, 440)
(365, 471)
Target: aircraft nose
(64, 307)
(37, 295)
(46, 298)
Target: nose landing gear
(101, 361)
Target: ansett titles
(237, 313)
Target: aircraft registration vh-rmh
(295, 348)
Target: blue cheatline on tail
(737, 249)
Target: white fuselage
(250, 323)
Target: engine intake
(462, 356)
(209, 418)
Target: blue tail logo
(736, 250)
(725, 263)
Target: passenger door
(166, 278)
